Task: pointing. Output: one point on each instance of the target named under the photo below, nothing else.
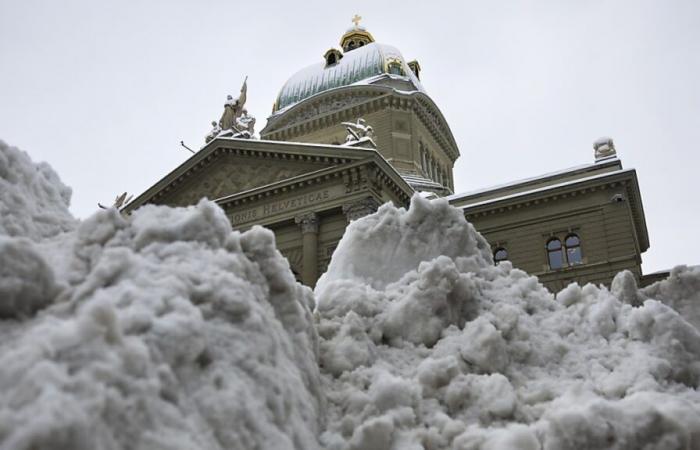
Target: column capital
(360, 208)
(308, 222)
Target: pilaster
(308, 223)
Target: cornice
(368, 173)
(626, 178)
(266, 150)
(309, 115)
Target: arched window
(573, 249)
(501, 254)
(555, 255)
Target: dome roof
(364, 65)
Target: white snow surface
(425, 344)
(33, 200)
(168, 330)
(164, 330)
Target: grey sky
(105, 91)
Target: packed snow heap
(168, 330)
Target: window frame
(570, 255)
(552, 251)
(497, 261)
(576, 247)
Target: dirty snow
(162, 331)
(167, 329)
(425, 344)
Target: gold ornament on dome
(355, 36)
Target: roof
(361, 65)
(538, 189)
(339, 156)
(420, 183)
(499, 191)
(580, 177)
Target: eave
(274, 150)
(627, 178)
(283, 126)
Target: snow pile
(681, 291)
(425, 344)
(165, 330)
(33, 201)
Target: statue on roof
(233, 108)
(235, 121)
(119, 201)
(604, 148)
(358, 130)
(359, 133)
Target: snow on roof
(540, 178)
(543, 188)
(362, 64)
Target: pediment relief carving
(234, 174)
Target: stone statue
(358, 131)
(604, 148)
(216, 129)
(246, 122)
(121, 200)
(233, 108)
(235, 121)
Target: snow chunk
(406, 238)
(26, 281)
(162, 330)
(681, 291)
(33, 200)
(456, 353)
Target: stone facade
(600, 204)
(302, 182)
(308, 210)
(410, 132)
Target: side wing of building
(583, 224)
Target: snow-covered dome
(364, 64)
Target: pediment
(233, 173)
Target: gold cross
(356, 20)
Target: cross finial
(356, 20)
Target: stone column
(309, 260)
(360, 208)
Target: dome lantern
(355, 36)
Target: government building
(358, 129)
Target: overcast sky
(105, 91)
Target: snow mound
(163, 330)
(33, 200)
(681, 291)
(455, 352)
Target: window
(501, 254)
(569, 254)
(395, 68)
(555, 255)
(573, 250)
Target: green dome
(359, 65)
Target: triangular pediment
(227, 167)
(233, 173)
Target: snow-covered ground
(168, 330)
